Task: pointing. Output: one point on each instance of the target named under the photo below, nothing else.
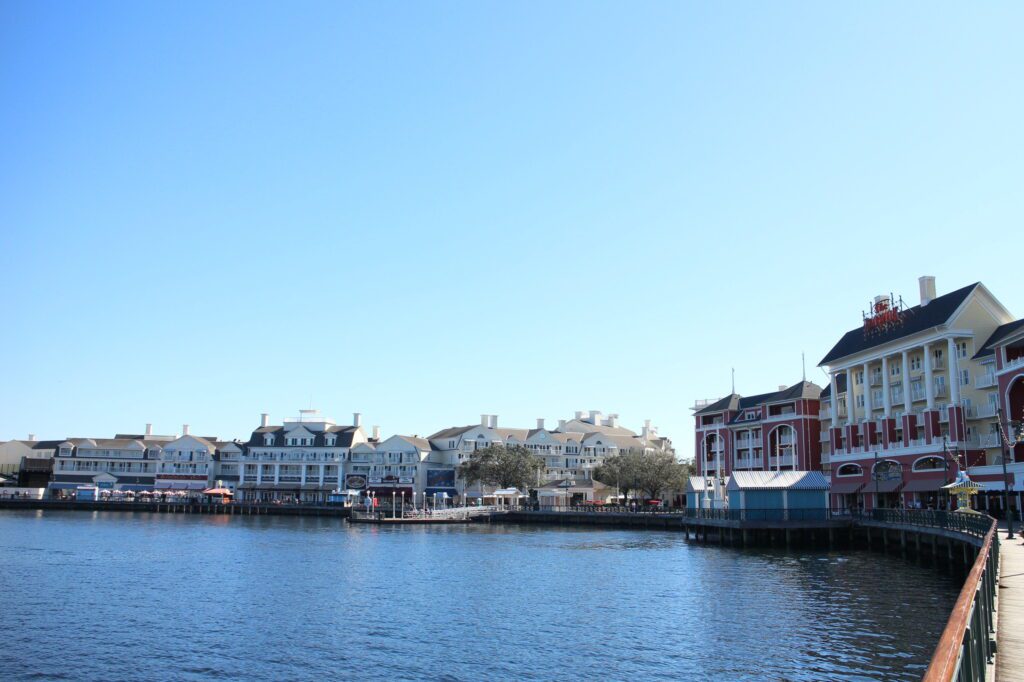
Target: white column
(323, 467)
(929, 386)
(851, 403)
(259, 472)
(906, 383)
(953, 362)
(277, 474)
(886, 392)
(867, 393)
(835, 399)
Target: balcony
(1014, 364)
(985, 381)
(875, 378)
(917, 393)
(938, 363)
(940, 390)
(989, 440)
(944, 413)
(782, 460)
(981, 411)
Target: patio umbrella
(218, 491)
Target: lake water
(89, 596)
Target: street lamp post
(1006, 476)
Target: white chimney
(579, 414)
(494, 421)
(540, 423)
(927, 285)
(149, 429)
(782, 387)
(595, 417)
(184, 429)
(31, 436)
(485, 420)
(613, 421)
(647, 428)
(357, 419)
(376, 432)
(561, 423)
(264, 419)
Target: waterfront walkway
(1010, 633)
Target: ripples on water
(156, 597)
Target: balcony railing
(981, 411)
(938, 362)
(918, 394)
(985, 381)
(876, 379)
(1014, 364)
(940, 390)
(988, 440)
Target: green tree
(637, 470)
(503, 466)
(660, 472)
(620, 470)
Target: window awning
(843, 487)
(884, 486)
(924, 485)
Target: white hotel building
(302, 458)
(573, 450)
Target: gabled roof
(1001, 332)
(729, 402)
(451, 432)
(419, 443)
(778, 480)
(840, 387)
(914, 320)
(798, 391)
(803, 389)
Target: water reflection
(155, 597)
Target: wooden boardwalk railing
(966, 647)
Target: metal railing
(966, 647)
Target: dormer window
(330, 441)
(268, 439)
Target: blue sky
(428, 211)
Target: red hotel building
(914, 395)
(766, 432)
